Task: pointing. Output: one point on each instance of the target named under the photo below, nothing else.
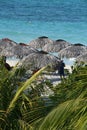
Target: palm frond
(66, 116)
(24, 87)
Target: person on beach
(61, 69)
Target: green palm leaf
(66, 116)
(24, 87)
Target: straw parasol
(40, 42)
(56, 46)
(38, 60)
(22, 50)
(73, 51)
(6, 46)
(82, 58)
(11, 49)
(5, 42)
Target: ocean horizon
(24, 21)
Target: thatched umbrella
(40, 42)
(56, 46)
(4, 43)
(38, 60)
(6, 46)
(9, 48)
(72, 51)
(22, 50)
(82, 58)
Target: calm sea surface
(25, 20)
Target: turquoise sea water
(25, 20)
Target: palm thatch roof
(56, 46)
(6, 46)
(82, 58)
(21, 50)
(9, 48)
(38, 60)
(40, 42)
(72, 51)
(4, 43)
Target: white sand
(12, 62)
(69, 68)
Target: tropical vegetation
(23, 108)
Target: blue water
(25, 20)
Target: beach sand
(12, 62)
(54, 76)
(68, 67)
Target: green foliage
(70, 99)
(14, 100)
(70, 115)
(23, 108)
